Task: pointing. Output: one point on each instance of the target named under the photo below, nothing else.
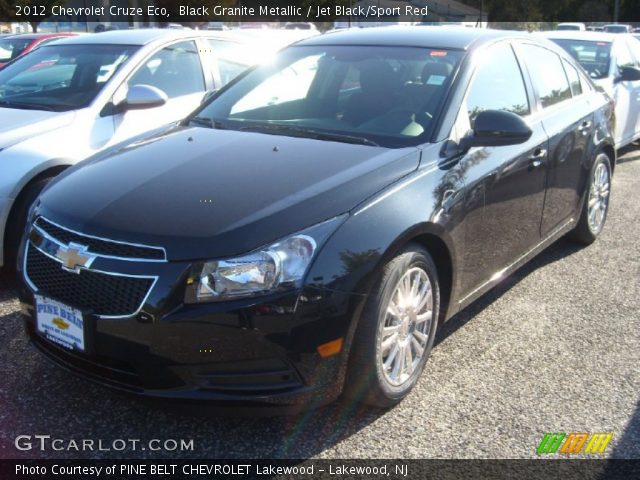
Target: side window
(574, 78)
(498, 84)
(634, 47)
(623, 55)
(547, 75)
(231, 58)
(175, 70)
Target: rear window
(595, 57)
(10, 49)
(574, 79)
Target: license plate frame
(61, 324)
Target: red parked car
(17, 45)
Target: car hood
(17, 125)
(203, 193)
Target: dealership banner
(422, 11)
(320, 469)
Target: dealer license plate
(60, 323)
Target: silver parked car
(613, 63)
(70, 99)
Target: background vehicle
(358, 190)
(617, 28)
(66, 101)
(613, 63)
(299, 26)
(571, 26)
(14, 46)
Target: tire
(368, 380)
(17, 222)
(598, 190)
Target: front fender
(428, 202)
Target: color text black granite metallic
(304, 232)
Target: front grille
(99, 246)
(99, 293)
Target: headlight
(279, 266)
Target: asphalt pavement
(554, 348)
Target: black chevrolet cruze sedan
(306, 230)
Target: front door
(505, 186)
(177, 71)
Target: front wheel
(596, 202)
(396, 331)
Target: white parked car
(571, 26)
(617, 28)
(613, 63)
(70, 99)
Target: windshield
(567, 27)
(594, 57)
(376, 95)
(60, 77)
(616, 29)
(10, 49)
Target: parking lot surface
(555, 347)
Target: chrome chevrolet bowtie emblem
(74, 257)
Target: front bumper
(258, 352)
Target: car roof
(586, 36)
(38, 36)
(459, 38)
(142, 36)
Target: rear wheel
(17, 222)
(396, 331)
(596, 202)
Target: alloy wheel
(404, 332)
(598, 197)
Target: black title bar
(321, 469)
(202, 11)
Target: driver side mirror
(140, 97)
(628, 74)
(496, 128)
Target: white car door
(176, 70)
(634, 47)
(626, 95)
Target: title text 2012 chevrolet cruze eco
(304, 233)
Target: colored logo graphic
(60, 323)
(574, 443)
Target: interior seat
(379, 92)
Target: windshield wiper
(26, 106)
(309, 133)
(206, 122)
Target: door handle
(537, 159)
(584, 128)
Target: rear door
(567, 117)
(505, 185)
